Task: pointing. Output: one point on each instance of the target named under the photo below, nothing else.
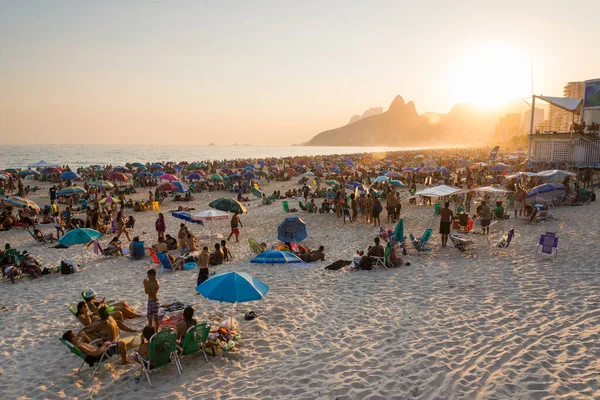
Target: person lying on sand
(107, 327)
(96, 351)
(40, 236)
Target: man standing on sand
(445, 221)
(151, 287)
(519, 198)
(235, 224)
(203, 264)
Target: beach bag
(66, 267)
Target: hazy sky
(277, 72)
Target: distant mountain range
(401, 125)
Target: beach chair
(302, 206)
(138, 251)
(153, 255)
(383, 261)
(165, 262)
(73, 311)
(286, 206)
(195, 340)
(548, 242)
(420, 244)
(504, 243)
(162, 350)
(309, 207)
(104, 252)
(461, 243)
(93, 363)
(37, 240)
(254, 246)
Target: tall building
(561, 120)
(538, 120)
(508, 126)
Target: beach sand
(490, 327)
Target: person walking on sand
(161, 227)
(235, 224)
(445, 221)
(121, 228)
(151, 287)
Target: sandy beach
(496, 326)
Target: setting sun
(491, 76)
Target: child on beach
(226, 253)
(151, 287)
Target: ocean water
(20, 156)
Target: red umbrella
(168, 177)
(167, 187)
(117, 176)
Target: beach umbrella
(108, 200)
(546, 191)
(554, 175)
(308, 173)
(4, 176)
(233, 287)
(443, 170)
(409, 169)
(216, 178)
(249, 175)
(428, 169)
(178, 168)
(194, 176)
(249, 167)
(228, 205)
(393, 174)
(292, 229)
(21, 202)
(156, 166)
(121, 168)
(102, 184)
(68, 175)
(117, 176)
(332, 182)
(399, 231)
(335, 170)
(28, 172)
(210, 215)
(256, 192)
(138, 165)
(71, 190)
(381, 179)
(290, 171)
(169, 177)
(262, 173)
(167, 187)
(157, 173)
(262, 163)
(396, 183)
(227, 171)
(186, 216)
(276, 257)
(181, 187)
(79, 236)
(144, 173)
(11, 170)
(353, 185)
(500, 167)
(142, 168)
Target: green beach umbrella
(216, 178)
(256, 192)
(228, 205)
(332, 182)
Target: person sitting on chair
(81, 342)
(217, 256)
(366, 262)
(40, 236)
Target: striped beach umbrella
(21, 202)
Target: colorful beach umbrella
(233, 287)
(396, 182)
(216, 178)
(186, 216)
(546, 191)
(108, 200)
(21, 202)
(117, 176)
(102, 184)
(181, 187)
(292, 229)
(276, 257)
(393, 174)
(256, 192)
(169, 177)
(228, 205)
(167, 187)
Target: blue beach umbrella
(181, 187)
(396, 182)
(79, 236)
(393, 174)
(158, 173)
(249, 175)
(546, 191)
(71, 190)
(28, 172)
(233, 287)
(144, 173)
(292, 229)
(381, 179)
(68, 175)
(276, 257)
(186, 216)
(353, 185)
(194, 176)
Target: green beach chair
(91, 361)
(286, 206)
(254, 246)
(420, 244)
(162, 350)
(194, 340)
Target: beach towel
(338, 265)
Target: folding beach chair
(138, 251)
(549, 242)
(93, 363)
(153, 256)
(504, 243)
(104, 252)
(73, 311)
(195, 340)
(38, 240)
(461, 243)
(420, 244)
(382, 261)
(254, 246)
(162, 350)
(165, 262)
(286, 206)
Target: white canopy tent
(566, 103)
(437, 191)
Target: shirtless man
(95, 351)
(446, 220)
(203, 260)
(151, 287)
(107, 327)
(317, 255)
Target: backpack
(65, 267)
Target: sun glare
(491, 76)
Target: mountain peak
(397, 104)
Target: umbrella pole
(82, 258)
